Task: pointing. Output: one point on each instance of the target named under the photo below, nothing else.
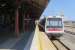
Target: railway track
(69, 32)
(59, 45)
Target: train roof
(54, 17)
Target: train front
(54, 26)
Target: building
(17, 16)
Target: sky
(54, 7)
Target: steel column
(17, 23)
(17, 19)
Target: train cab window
(54, 22)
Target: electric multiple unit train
(54, 26)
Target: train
(53, 26)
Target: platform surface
(39, 41)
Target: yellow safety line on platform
(41, 42)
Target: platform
(39, 41)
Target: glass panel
(54, 22)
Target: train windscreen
(54, 23)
